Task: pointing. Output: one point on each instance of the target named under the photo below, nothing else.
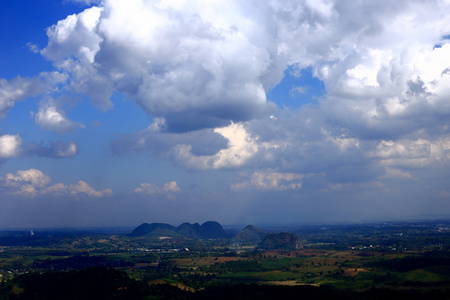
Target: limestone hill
(155, 229)
(250, 235)
(281, 241)
(208, 230)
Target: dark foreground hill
(208, 230)
(101, 283)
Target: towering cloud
(195, 65)
(200, 65)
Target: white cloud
(73, 45)
(148, 188)
(82, 187)
(413, 153)
(344, 143)
(396, 173)
(241, 146)
(33, 183)
(10, 145)
(33, 47)
(384, 78)
(271, 180)
(297, 90)
(240, 149)
(49, 117)
(352, 186)
(21, 88)
(56, 188)
(173, 59)
(33, 176)
(85, 2)
(76, 189)
(74, 36)
(171, 187)
(72, 149)
(168, 189)
(194, 66)
(156, 139)
(17, 89)
(25, 183)
(201, 64)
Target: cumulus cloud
(72, 46)
(396, 173)
(10, 145)
(17, 89)
(33, 183)
(241, 148)
(210, 59)
(83, 187)
(85, 2)
(20, 88)
(25, 183)
(383, 75)
(301, 142)
(35, 177)
(202, 71)
(169, 189)
(225, 147)
(271, 181)
(307, 145)
(413, 153)
(196, 65)
(160, 142)
(75, 189)
(52, 149)
(50, 117)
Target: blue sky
(114, 113)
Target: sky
(115, 113)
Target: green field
(330, 264)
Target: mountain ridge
(250, 235)
(208, 230)
(279, 241)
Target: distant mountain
(281, 241)
(192, 231)
(212, 230)
(250, 235)
(208, 230)
(155, 229)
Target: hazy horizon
(228, 226)
(115, 113)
